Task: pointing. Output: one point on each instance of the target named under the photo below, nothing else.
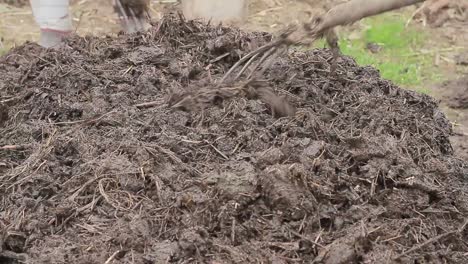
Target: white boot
(54, 20)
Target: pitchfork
(263, 57)
(317, 27)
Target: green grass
(398, 59)
(3, 49)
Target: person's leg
(54, 19)
(215, 10)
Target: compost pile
(96, 167)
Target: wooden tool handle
(355, 10)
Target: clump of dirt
(97, 168)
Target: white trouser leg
(215, 10)
(54, 20)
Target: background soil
(17, 3)
(363, 172)
(454, 97)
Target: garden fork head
(317, 27)
(268, 52)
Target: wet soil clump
(96, 167)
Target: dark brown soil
(363, 171)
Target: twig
(217, 150)
(86, 121)
(462, 227)
(149, 104)
(427, 242)
(13, 100)
(14, 147)
(112, 257)
(220, 57)
(306, 238)
(233, 230)
(114, 202)
(172, 156)
(77, 192)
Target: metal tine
(138, 23)
(122, 11)
(272, 58)
(246, 65)
(264, 57)
(260, 50)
